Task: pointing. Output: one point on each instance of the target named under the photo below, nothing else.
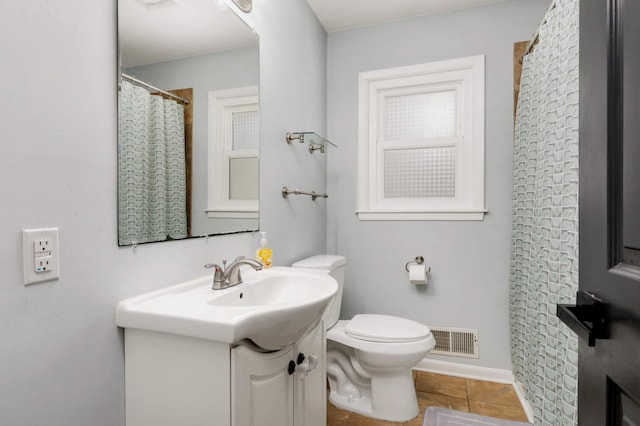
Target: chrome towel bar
(286, 191)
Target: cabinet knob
(292, 367)
(307, 366)
(300, 358)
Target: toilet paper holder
(419, 260)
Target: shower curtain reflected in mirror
(151, 168)
(544, 249)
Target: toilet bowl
(369, 358)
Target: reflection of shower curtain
(544, 252)
(151, 168)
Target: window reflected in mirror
(233, 153)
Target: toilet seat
(385, 329)
(338, 334)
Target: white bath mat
(436, 416)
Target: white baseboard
(528, 409)
(475, 372)
(467, 371)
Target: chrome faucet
(225, 277)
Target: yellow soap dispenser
(264, 253)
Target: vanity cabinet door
(261, 388)
(311, 385)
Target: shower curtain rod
(135, 80)
(536, 35)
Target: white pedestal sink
(273, 308)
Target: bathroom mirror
(188, 114)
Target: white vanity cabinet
(173, 380)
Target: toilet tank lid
(385, 328)
(327, 262)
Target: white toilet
(369, 358)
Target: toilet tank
(334, 265)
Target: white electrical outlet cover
(40, 255)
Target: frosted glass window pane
(421, 115)
(243, 178)
(420, 172)
(245, 130)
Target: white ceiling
(152, 31)
(336, 15)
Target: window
(233, 153)
(421, 142)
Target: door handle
(587, 318)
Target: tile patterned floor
(456, 393)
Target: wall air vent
(455, 342)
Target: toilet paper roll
(418, 274)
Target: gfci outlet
(40, 255)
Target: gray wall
(216, 71)
(469, 283)
(61, 355)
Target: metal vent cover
(458, 342)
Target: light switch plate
(40, 255)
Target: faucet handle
(218, 275)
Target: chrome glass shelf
(315, 141)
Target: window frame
(222, 105)
(466, 76)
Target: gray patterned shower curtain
(544, 248)
(151, 168)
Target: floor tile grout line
(466, 388)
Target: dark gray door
(609, 371)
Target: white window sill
(430, 215)
(232, 214)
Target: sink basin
(272, 308)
